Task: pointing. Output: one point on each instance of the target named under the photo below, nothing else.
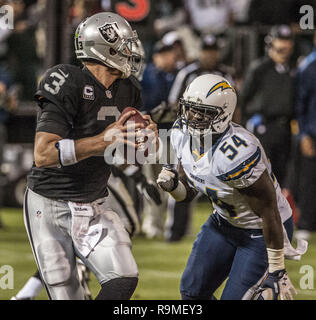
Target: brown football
(136, 118)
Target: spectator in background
(171, 15)
(306, 115)
(213, 17)
(208, 62)
(210, 16)
(8, 103)
(157, 81)
(267, 99)
(159, 76)
(21, 51)
(173, 38)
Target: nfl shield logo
(108, 32)
(108, 94)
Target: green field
(160, 264)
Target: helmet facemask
(200, 119)
(130, 61)
(137, 60)
(127, 50)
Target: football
(137, 119)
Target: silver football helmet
(109, 39)
(207, 105)
(138, 59)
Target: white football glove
(276, 286)
(168, 179)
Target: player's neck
(102, 74)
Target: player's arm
(51, 150)
(46, 154)
(175, 182)
(261, 197)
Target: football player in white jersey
(248, 235)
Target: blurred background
(259, 45)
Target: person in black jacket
(306, 116)
(267, 99)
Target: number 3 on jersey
(59, 80)
(232, 150)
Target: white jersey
(234, 162)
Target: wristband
(275, 259)
(180, 192)
(66, 152)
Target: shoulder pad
(243, 165)
(235, 148)
(239, 160)
(58, 82)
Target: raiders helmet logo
(108, 32)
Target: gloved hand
(168, 179)
(276, 286)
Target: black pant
(307, 194)
(276, 142)
(3, 141)
(179, 220)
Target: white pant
(50, 228)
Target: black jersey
(74, 105)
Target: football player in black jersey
(66, 211)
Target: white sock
(31, 289)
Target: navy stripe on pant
(220, 251)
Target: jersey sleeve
(244, 170)
(51, 120)
(58, 87)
